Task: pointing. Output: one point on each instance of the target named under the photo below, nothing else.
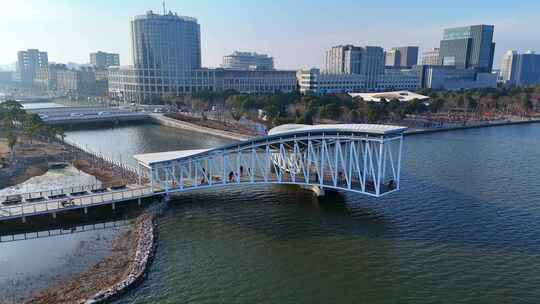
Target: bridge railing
(52, 192)
(74, 202)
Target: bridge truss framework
(330, 158)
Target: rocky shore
(132, 253)
(143, 254)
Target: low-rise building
(451, 78)
(313, 81)
(138, 85)
(520, 69)
(103, 60)
(76, 82)
(403, 96)
(248, 61)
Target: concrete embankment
(471, 126)
(169, 122)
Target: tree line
(17, 124)
(294, 107)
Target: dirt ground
(213, 124)
(107, 273)
(28, 161)
(105, 176)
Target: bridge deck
(53, 206)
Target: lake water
(464, 229)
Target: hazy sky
(295, 32)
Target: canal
(464, 229)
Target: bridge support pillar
(24, 219)
(317, 191)
(54, 215)
(139, 201)
(85, 210)
(113, 206)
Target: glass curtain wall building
(166, 48)
(468, 47)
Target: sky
(295, 32)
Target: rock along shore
(144, 251)
(112, 277)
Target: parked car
(76, 114)
(103, 113)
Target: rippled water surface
(464, 229)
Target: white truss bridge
(359, 158)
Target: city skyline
(298, 30)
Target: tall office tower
(392, 58)
(372, 64)
(402, 57)
(167, 43)
(343, 59)
(521, 69)
(348, 59)
(248, 61)
(104, 60)
(508, 66)
(431, 57)
(469, 47)
(31, 64)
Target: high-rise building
(392, 58)
(348, 59)
(431, 57)
(248, 61)
(31, 64)
(521, 69)
(343, 59)
(167, 61)
(402, 57)
(469, 47)
(508, 66)
(167, 43)
(104, 60)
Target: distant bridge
(81, 115)
(359, 158)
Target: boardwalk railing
(73, 203)
(102, 161)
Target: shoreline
(115, 275)
(476, 126)
(174, 123)
(33, 160)
(170, 122)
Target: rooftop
(373, 129)
(150, 158)
(388, 96)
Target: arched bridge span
(359, 158)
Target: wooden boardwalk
(54, 204)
